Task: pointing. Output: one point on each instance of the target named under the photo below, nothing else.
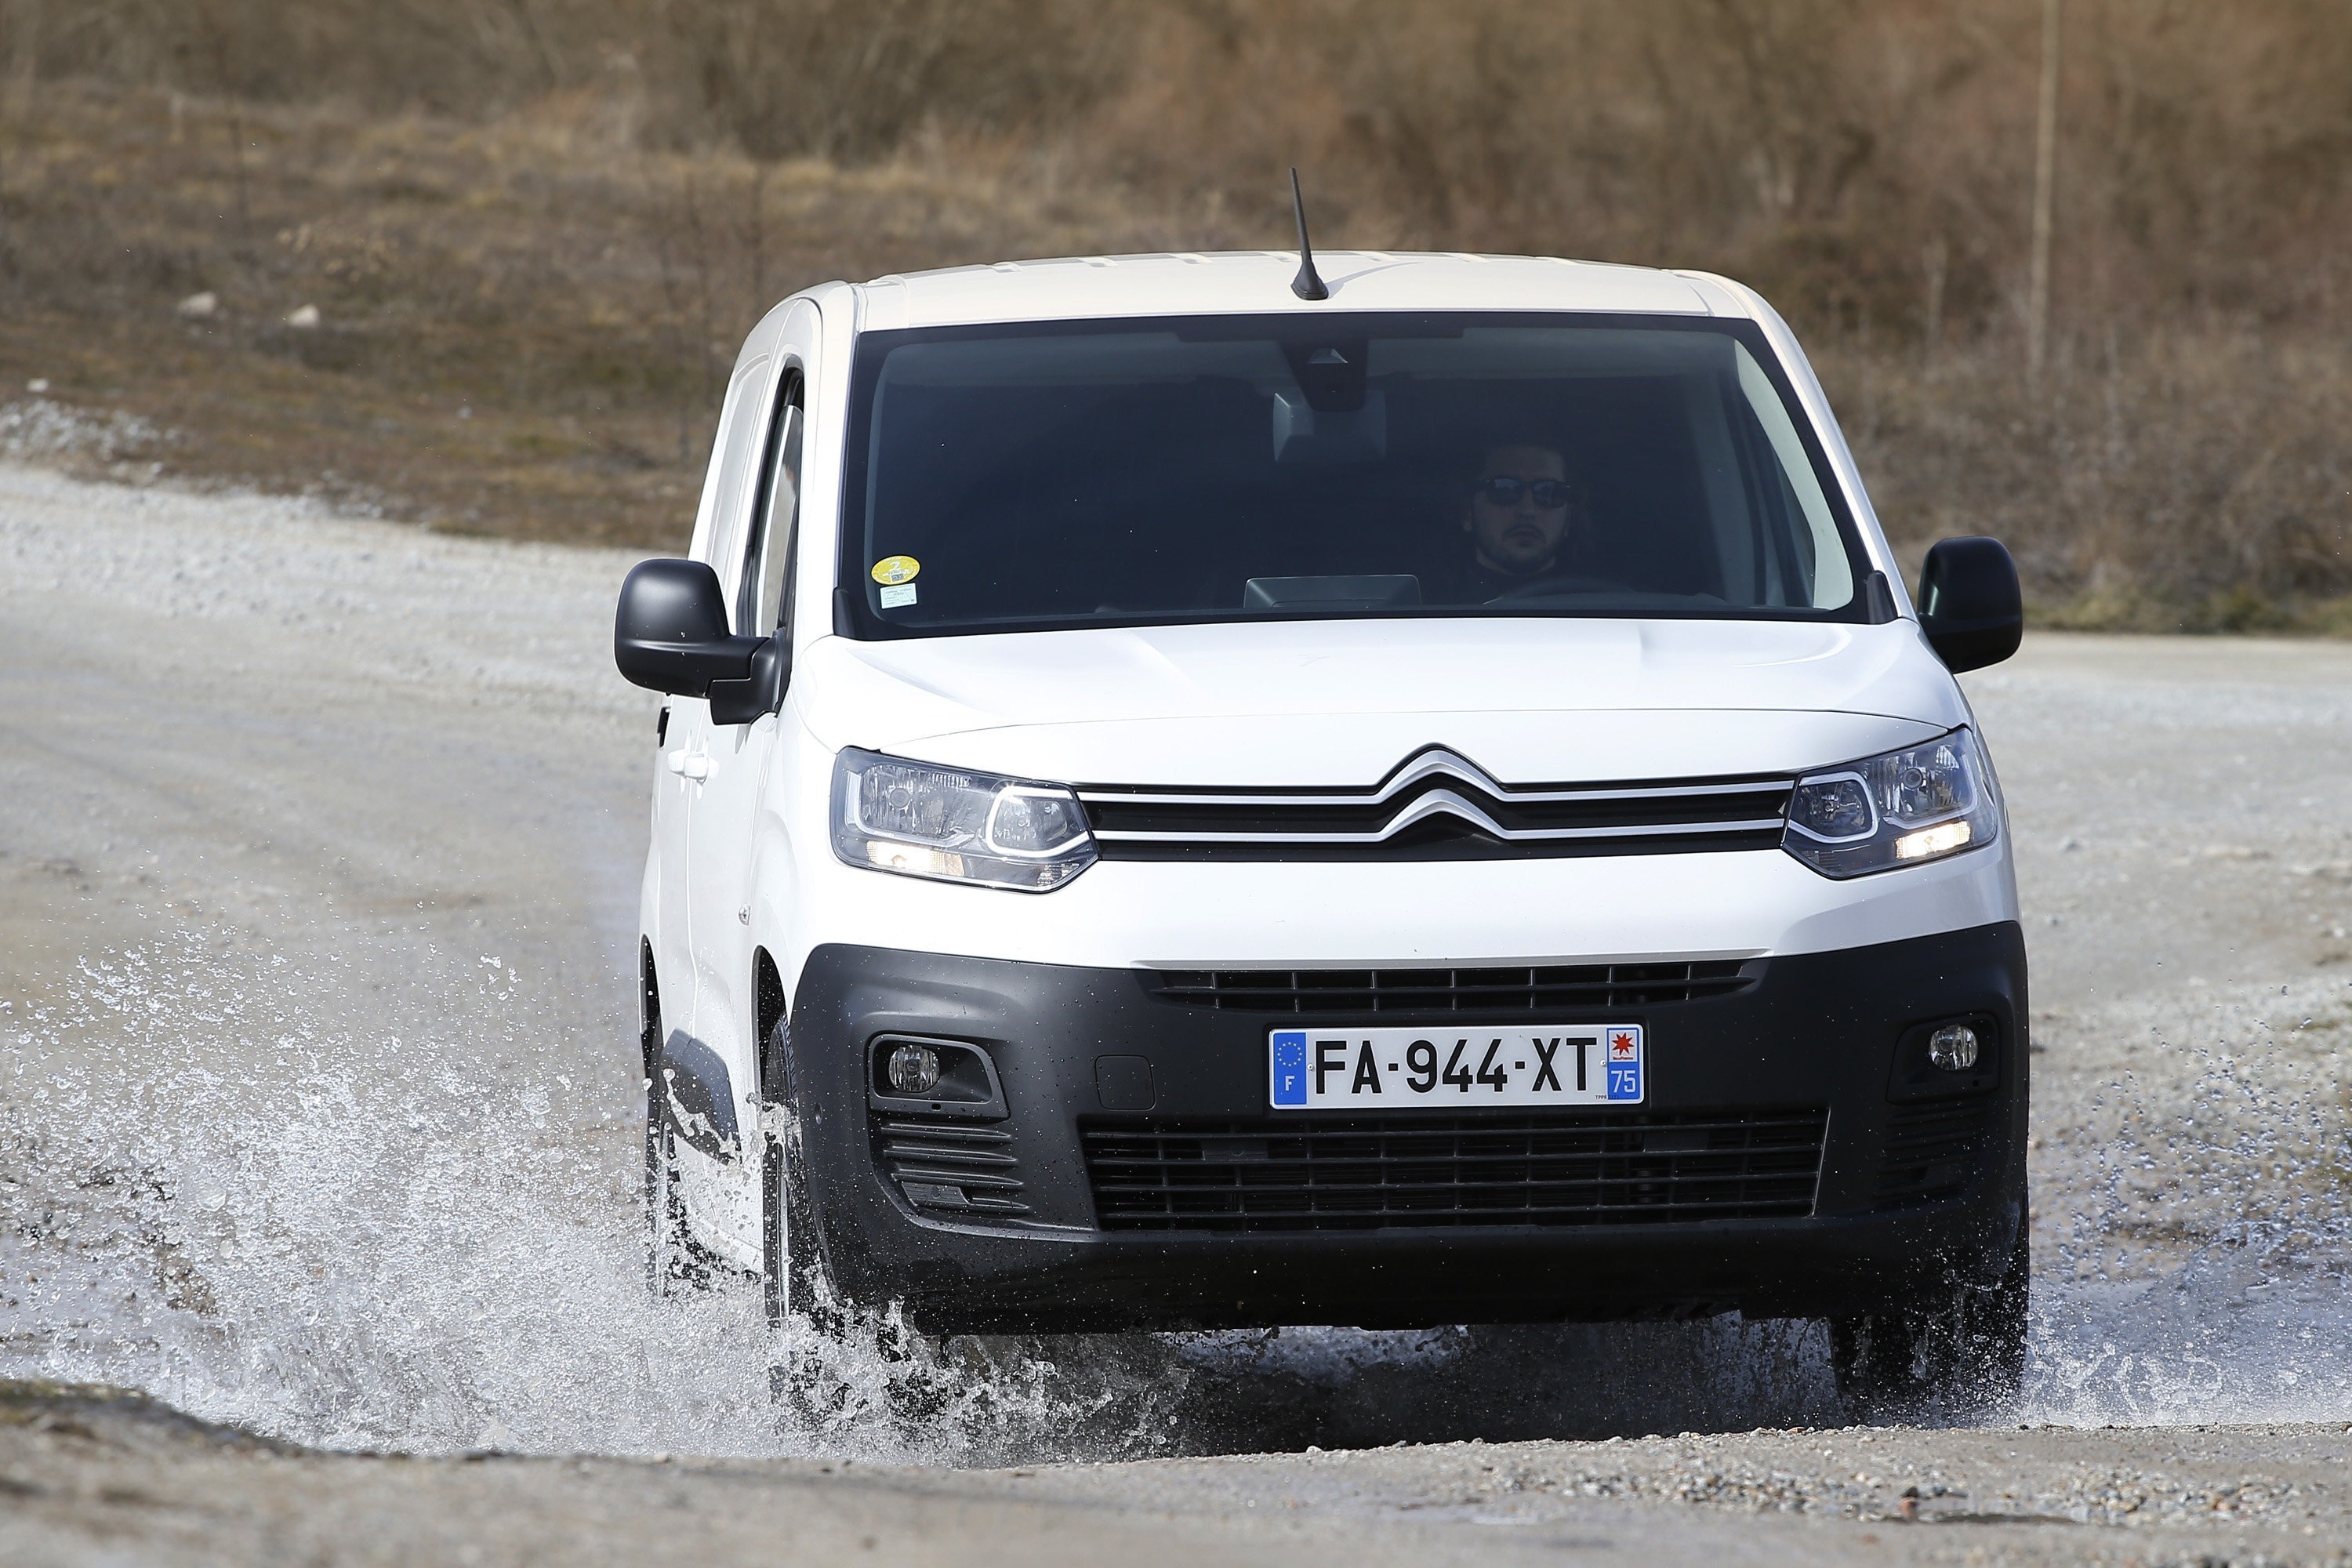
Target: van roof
(1229, 282)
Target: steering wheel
(1563, 583)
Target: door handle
(688, 764)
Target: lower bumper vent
(1554, 1168)
(1934, 1151)
(949, 1167)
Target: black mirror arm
(761, 691)
(1878, 599)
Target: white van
(1185, 803)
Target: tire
(793, 1274)
(674, 1261)
(1959, 1357)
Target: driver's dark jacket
(1475, 585)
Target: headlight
(923, 821)
(1900, 809)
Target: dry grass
(524, 325)
(535, 228)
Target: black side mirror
(761, 689)
(670, 632)
(1970, 607)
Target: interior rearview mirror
(670, 634)
(1970, 607)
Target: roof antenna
(1308, 284)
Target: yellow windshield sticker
(893, 569)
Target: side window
(740, 449)
(761, 604)
(1823, 578)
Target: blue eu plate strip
(1290, 1067)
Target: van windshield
(1142, 472)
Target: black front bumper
(1921, 1176)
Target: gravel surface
(319, 843)
(95, 1479)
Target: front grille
(1513, 990)
(1933, 1151)
(1378, 1172)
(949, 1167)
(1437, 805)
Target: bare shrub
(854, 79)
(671, 166)
(2158, 478)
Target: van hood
(1342, 702)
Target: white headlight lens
(1025, 820)
(923, 821)
(1900, 809)
(1834, 809)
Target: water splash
(2197, 1209)
(408, 1220)
(408, 1239)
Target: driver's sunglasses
(1503, 489)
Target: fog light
(915, 1069)
(1952, 1048)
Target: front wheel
(1964, 1354)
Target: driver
(1520, 504)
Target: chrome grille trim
(1413, 817)
(1438, 788)
(1111, 795)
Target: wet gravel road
(102, 1480)
(319, 842)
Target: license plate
(1433, 1070)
